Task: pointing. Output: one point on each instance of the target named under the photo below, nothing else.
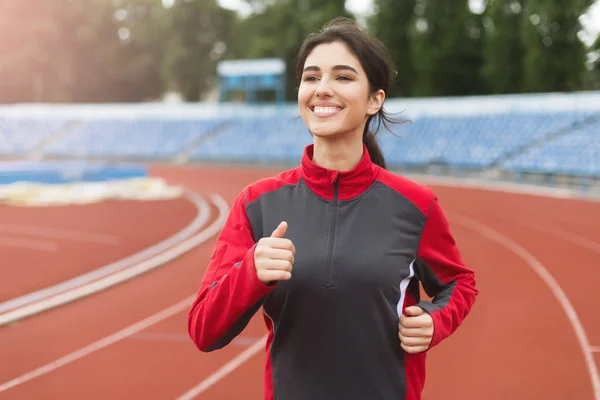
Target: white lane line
(161, 337)
(199, 221)
(123, 275)
(99, 345)
(55, 233)
(552, 284)
(184, 304)
(574, 238)
(29, 244)
(225, 370)
(180, 337)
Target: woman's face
(334, 96)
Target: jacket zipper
(329, 284)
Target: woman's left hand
(415, 330)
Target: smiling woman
(344, 76)
(334, 249)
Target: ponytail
(369, 137)
(375, 152)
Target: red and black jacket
(364, 239)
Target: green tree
(200, 36)
(592, 76)
(278, 29)
(446, 49)
(71, 51)
(391, 24)
(137, 63)
(554, 55)
(503, 49)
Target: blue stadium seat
(469, 141)
(575, 153)
(19, 136)
(263, 139)
(132, 138)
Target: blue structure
(251, 76)
(549, 138)
(57, 172)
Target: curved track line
(57, 233)
(100, 344)
(198, 222)
(549, 280)
(110, 280)
(30, 244)
(196, 240)
(565, 235)
(225, 370)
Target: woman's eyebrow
(335, 68)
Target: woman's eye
(310, 78)
(344, 78)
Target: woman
(334, 249)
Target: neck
(338, 154)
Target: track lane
(45, 337)
(506, 349)
(25, 271)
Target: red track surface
(517, 343)
(97, 234)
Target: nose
(324, 89)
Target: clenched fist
(274, 256)
(415, 330)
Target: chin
(324, 130)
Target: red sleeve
(230, 292)
(444, 275)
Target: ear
(375, 102)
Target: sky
(590, 21)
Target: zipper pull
(334, 177)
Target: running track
(533, 334)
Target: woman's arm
(444, 276)
(230, 292)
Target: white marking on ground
(225, 370)
(63, 234)
(200, 220)
(552, 284)
(199, 238)
(29, 244)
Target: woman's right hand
(274, 256)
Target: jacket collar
(350, 183)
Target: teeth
(326, 110)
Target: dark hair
(375, 60)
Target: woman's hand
(415, 330)
(274, 256)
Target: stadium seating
(565, 142)
(132, 138)
(264, 139)
(19, 136)
(470, 141)
(576, 153)
(462, 142)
